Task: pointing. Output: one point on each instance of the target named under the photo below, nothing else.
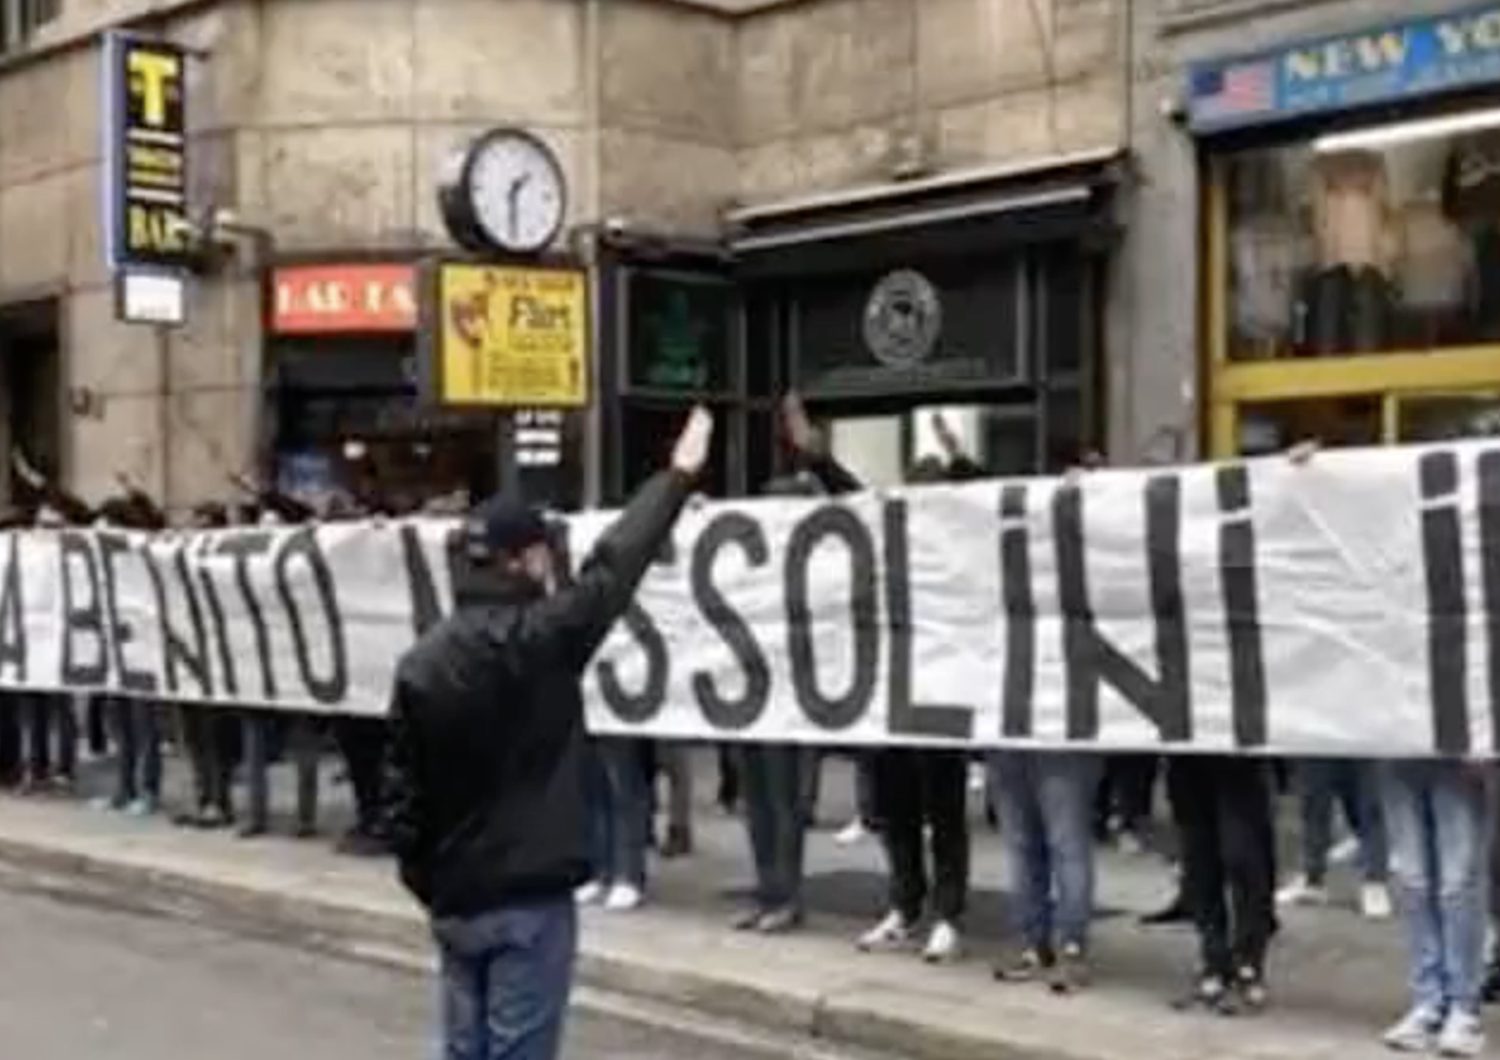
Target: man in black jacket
(489, 818)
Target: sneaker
(623, 898)
(1416, 1032)
(1462, 1035)
(1375, 902)
(1250, 985)
(892, 932)
(779, 921)
(1025, 967)
(852, 833)
(1130, 843)
(590, 893)
(679, 843)
(143, 807)
(978, 781)
(1301, 891)
(943, 945)
(1071, 972)
(1207, 992)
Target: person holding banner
(487, 768)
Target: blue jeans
(1046, 802)
(620, 813)
(1437, 817)
(773, 780)
(1352, 783)
(137, 725)
(506, 978)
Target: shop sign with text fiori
(343, 299)
(509, 336)
(145, 154)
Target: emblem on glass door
(903, 319)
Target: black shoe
(679, 843)
(1208, 992)
(360, 844)
(1175, 913)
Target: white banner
(1349, 606)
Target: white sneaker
(1415, 1033)
(943, 945)
(890, 933)
(589, 893)
(1462, 1035)
(852, 833)
(1300, 892)
(623, 898)
(1375, 902)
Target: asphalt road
(82, 980)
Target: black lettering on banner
(13, 613)
(181, 654)
(112, 547)
(1093, 661)
(426, 608)
(83, 617)
(204, 548)
(643, 706)
(302, 546)
(904, 717)
(733, 715)
(833, 714)
(1489, 556)
(242, 546)
(1448, 612)
(1019, 686)
(1241, 595)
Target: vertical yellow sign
(512, 336)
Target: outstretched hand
(23, 467)
(800, 432)
(690, 454)
(947, 438)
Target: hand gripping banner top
(1347, 606)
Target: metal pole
(507, 472)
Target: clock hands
(512, 199)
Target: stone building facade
(324, 122)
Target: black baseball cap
(504, 525)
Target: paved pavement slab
(1337, 979)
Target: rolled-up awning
(1064, 197)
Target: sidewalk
(1337, 980)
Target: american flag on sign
(1243, 88)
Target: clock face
(516, 189)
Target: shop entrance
(31, 400)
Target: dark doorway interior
(31, 397)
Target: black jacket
(487, 761)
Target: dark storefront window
(348, 420)
(680, 333)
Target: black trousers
(914, 788)
(362, 742)
(1224, 814)
(212, 735)
(1348, 310)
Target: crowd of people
(489, 808)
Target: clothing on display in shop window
(1347, 302)
(1471, 199)
(1269, 256)
(1433, 275)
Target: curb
(400, 941)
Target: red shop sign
(343, 299)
